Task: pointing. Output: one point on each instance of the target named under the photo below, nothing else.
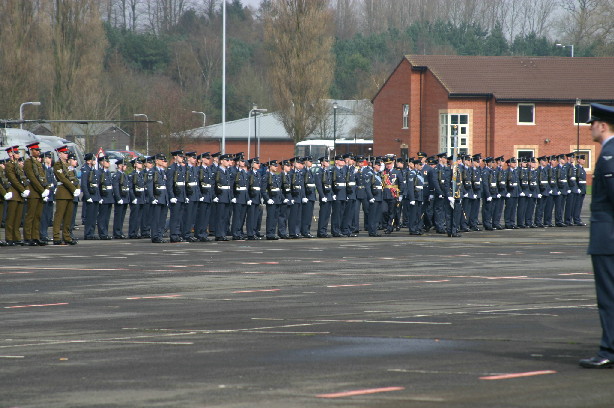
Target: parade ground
(492, 319)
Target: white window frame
(445, 131)
(574, 115)
(405, 116)
(589, 158)
(518, 122)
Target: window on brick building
(588, 165)
(525, 153)
(526, 114)
(405, 116)
(581, 114)
(447, 123)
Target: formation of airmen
(199, 197)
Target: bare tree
(299, 41)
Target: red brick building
(511, 106)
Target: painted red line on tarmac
(259, 290)
(259, 263)
(45, 305)
(345, 286)
(360, 392)
(12, 273)
(436, 281)
(575, 273)
(154, 297)
(517, 375)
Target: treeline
(115, 58)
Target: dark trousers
(91, 214)
(176, 220)
(439, 213)
(104, 216)
(62, 220)
(498, 211)
(46, 219)
(603, 268)
(238, 219)
(390, 214)
(348, 217)
(134, 220)
(548, 207)
(222, 221)
(213, 219)
(119, 216)
(427, 214)
(577, 208)
(474, 213)
(540, 207)
(31, 226)
(251, 222)
(559, 208)
(413, 217)
(324, 214)
(272, 216)
(189, 219)
(294, 218)
(282, 219)
(375, 214)
(145, 219)
(366, 207)
(511, 206)
(488, 208)
(337, 216)
(530, 212)
(569, 207)
(521, 211)
(202, 219)
(158, 220)
(453, 216)
(306, 217)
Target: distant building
(512, 106)
(93, 136)
(270, 134)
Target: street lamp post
(255, 111)
(146, 131)
(21, 111)
(204, 117)
(335, 129)
(565, 46)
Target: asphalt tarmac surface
(492, 319)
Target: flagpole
(223, 76)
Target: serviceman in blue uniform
(121, 194)
(192, 198)
(392, 194)
(206, 183)
(138, 192)
(150, 164)
(106, 198)
(523, 198)
(224, 180)
(324, 185)
(553, 192)
(175, 187)
(513, 192)
(501, 172)
(563, 184)
(48, 202)
(90, 187)
(310, 194)
(581, 191)
(273, 197)
(543, 183)
(339, 180)
(572, 186)
(600, 246)
(240, 199)
(533, 194)
(415, 182)
(451, 178)
(298, 197)
(158, 198)
(374, 189)
(254, 204)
